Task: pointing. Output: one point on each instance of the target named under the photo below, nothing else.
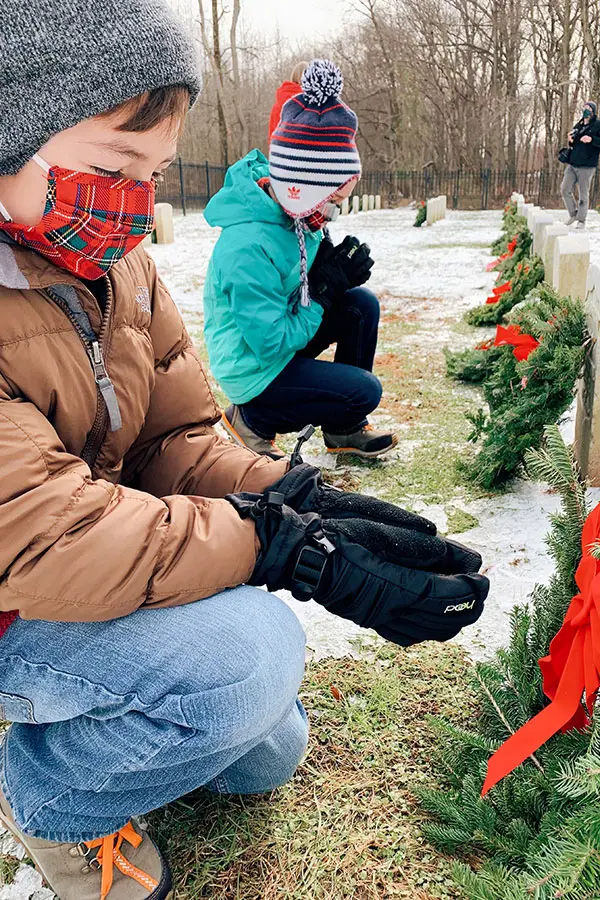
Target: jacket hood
(241, 200)
(593, 106)
(287, 90)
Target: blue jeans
(338, 395)
(114, 719)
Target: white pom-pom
(322, 81)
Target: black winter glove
(424, 598)
(337, 269)
(395, 533)
(305, 491)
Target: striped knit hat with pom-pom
(313, 150)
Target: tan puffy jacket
(94, 522)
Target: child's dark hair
(154, 107)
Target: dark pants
(336, 395)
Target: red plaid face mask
(329, 212)
(89, 222)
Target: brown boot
(95, 870)
(235, 426)
(368, 442)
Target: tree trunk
(237, 84)
(219, 68)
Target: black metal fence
(191, 185)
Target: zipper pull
(105, 386)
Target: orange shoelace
(109, 855)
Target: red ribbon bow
(496, 262)
(498, 291)
(523, 344)
(571, 669)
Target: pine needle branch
(503, 718)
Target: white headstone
(571, 263)
(378, 201)
(530, 214)
(356, 204)
(526, 208)
(365, 202)
(163, 223)
(540, 220)
(431, 211)
(551, 233)
(371, 201)
(345, 206)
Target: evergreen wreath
(421, 213)
(472, 366)
(512, 222)
(528, 273)
(526, 387)
(538, 831)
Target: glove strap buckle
(310, 566)
(305, 435)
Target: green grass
(8, 869)
(348, 826)
(431, 409)
(459, 521)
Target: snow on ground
(445, 263)
(27, 885)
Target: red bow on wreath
(498, 291)
(570, 671)
(496, 262)
(523, 344)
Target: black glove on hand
(356, 260)
(305, 491)
(367, 517)
(406, 584)
(337, 269)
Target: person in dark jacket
(584, 141)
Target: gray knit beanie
(68, 60)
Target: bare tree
(460, 83)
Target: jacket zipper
(107, 410)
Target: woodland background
(450, 84)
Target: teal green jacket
(253, 324)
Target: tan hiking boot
(126, 865)
(235, 426)
(368, 441)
